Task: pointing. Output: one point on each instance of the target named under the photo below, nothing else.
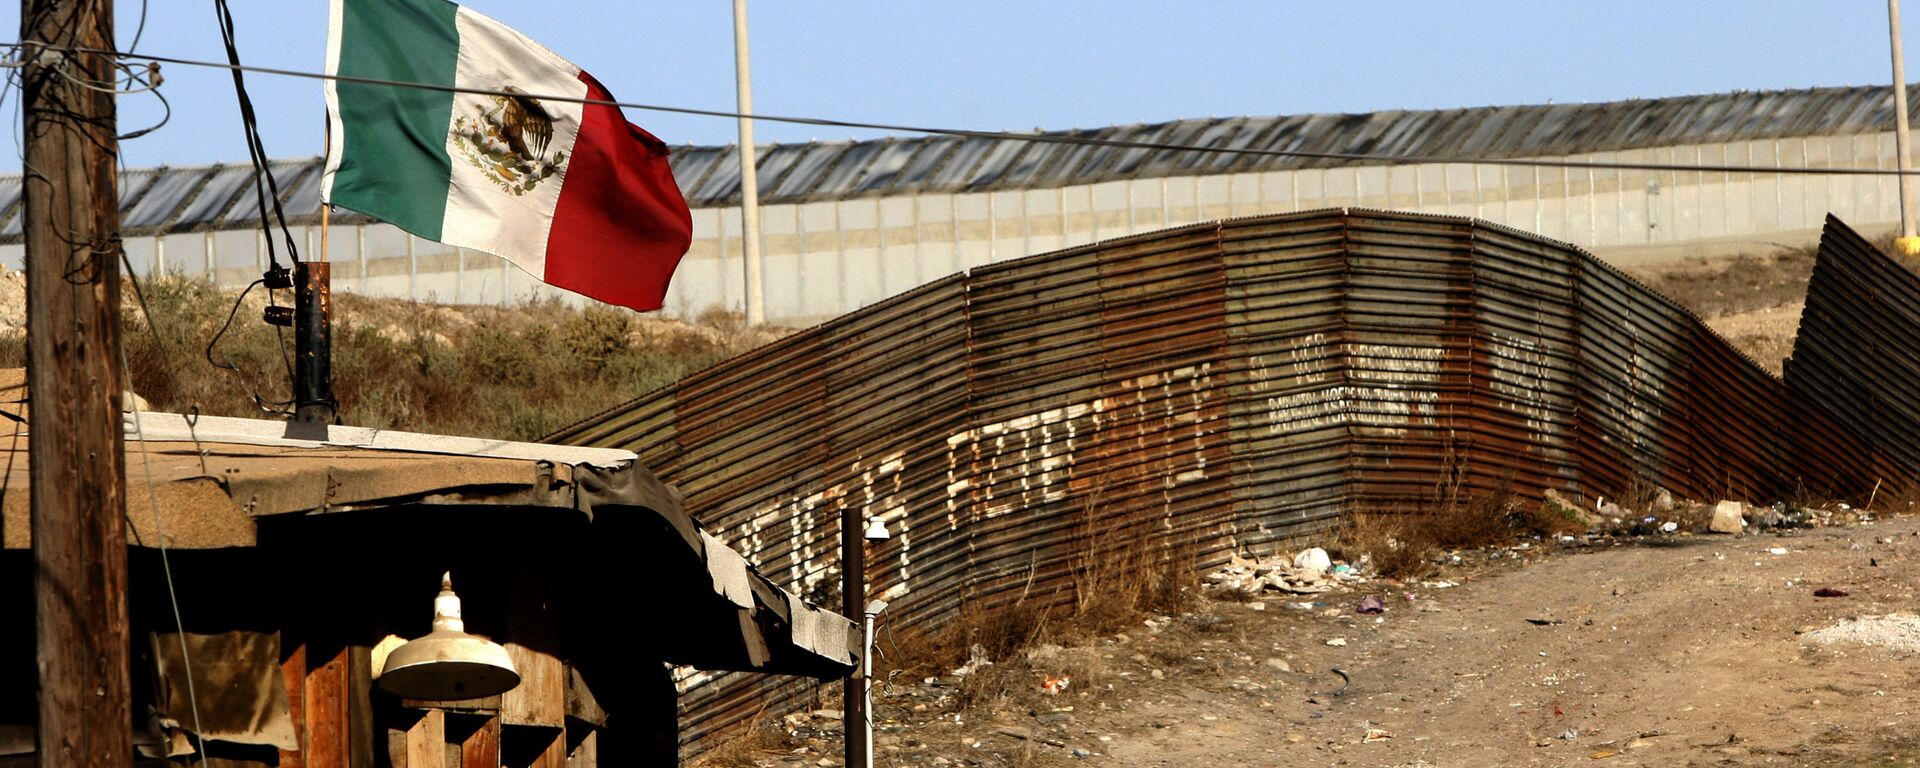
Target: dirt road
(1687, 650)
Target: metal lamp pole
(1908, 243)
(749, 181)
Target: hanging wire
(166, 563)
(153, 497)
(266, 188)
(1043, 138)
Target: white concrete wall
(827, 258)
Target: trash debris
(1372, 604)
(1776, 550)
(1669, 527)
(1054, 686)
(1252, 576)
(1376, 734)
(1546, 622)
(1728, 517)
(1338, 642)
(976, 660)
(1898, 632)
(1570, 734)
(1829, 592)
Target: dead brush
(1894, 499)
(1124, 573)
(1395, 544)
(747, 746)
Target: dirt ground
(1672, 650)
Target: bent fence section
(1199, 391)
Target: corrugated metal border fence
(1858, 349)
(1205, 390)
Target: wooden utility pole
(74, 382)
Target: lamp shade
(448, 664)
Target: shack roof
(213, 478)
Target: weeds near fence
(516, 373)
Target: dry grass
(1402, 545)
(1740, 284)
(516, 373)
(1124, 574)
(739, 750)
(1394, 544)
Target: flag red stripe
(620, 226)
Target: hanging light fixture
(448, 663)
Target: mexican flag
(570, 192)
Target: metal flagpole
(1907, 242)
(749, 183)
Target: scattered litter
(1728, 517)
(1829, 592)
(1056, 685)
(976, 660)
(1438, 584)
(1338, 642)
(1372, 604)
(1604, 754)
(1669, 527)
(1898, 632)
(1570, 734)
(1776, 550)
(1252, 576)
(1546, 622)
(1346, 681)
(1376, 734)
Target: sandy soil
(1765, 334)
(1673, 651)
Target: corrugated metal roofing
(834, 170)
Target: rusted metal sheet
(1206, 390)
(1858, 350)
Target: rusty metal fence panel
(1229, 387)
(1858, 350)
(1284, 309)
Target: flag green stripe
(393, 162)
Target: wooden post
(74, 378)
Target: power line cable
(153, 500)
(266, 189)
(1043, 138)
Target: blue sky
(1018, 64)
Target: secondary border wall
(846, 224)
(1205, 390)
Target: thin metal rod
(1904, 162)
(749, 179)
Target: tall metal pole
(74, 377)
(1907, 242)
(749, 180)
(853, 594)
